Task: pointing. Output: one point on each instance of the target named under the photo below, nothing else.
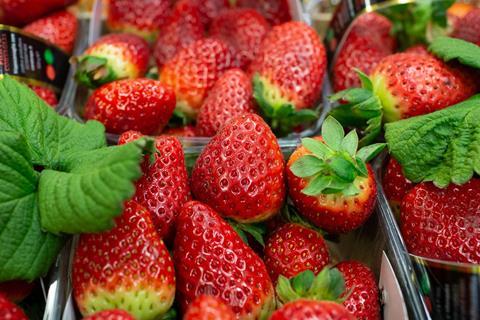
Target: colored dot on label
(51, 72)
(48, 55)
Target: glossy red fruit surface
(468, 27)
(142, 104)
(312, 310)
(9, 310)
(110, 315)
(395, 185)
(208, 308)
(231, 96)
(443, 223)
(275, 11)
(20, 12)
(47, 95)
(292, 249)
(363, 300)
(240, 173)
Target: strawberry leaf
(317, 147)
(450, 49)
(317, 185)
(343, 168)
(369, 152)
(307, 166)
(350, 143)
(442, 147)
(332, 133)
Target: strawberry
(395, 184)
(59, 28)
(127, 267)
(129, 136)
(113, 57)
(142, 17)
(244, 30)
(8, 310)
(231, 96)
(208, 308)
(362, 289)
(377, 29)
(211, 258)
(144, 105)
(183, 28)
(192, 72)
(275, 11)
(288, 75)
(294, 248)
(443, 223)
(310, 309)
(16, 290)
(114, 314)
(457, 11)
(468, 27)
(418, 49)
(240, 173)
(185, 131)
(208, 9)
(329, 181)
(21, 12)
(47, 95)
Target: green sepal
(329, 285)
(171, 314)
(289, 214)
(282, 118)
(179, 119)
(93, 71)
(448, 49)
(256, 230)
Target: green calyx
(364, 107)
(334, 162)
(93, 72)
(256, 230)
(328, 285)
(282, 116)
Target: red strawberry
(183, 28)
(142, 17)
(244, 30)
(127, 267)
(129, 136)
(395, 185)
(418, 49)
(185, 131)
(468, 27)
(311, 309)
(240, 173)
(288, 74)
(275, 11)
(208, 9)
(377, 29)
(8, 310)
(231, 96)
(208, 308)
(132, 104)
(443, 223)
(16, 290)
(192, 72)
(21, 12)
(113, 57)
(47, 95)
(114, 314)
(362, 288)
(211, 258)
(59, 28)
(457, 11)
(294, 248)
(327, 184)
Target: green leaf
(307, 166)
(317, 147)
(26, 251)
(89, 195)
(343, 168)
(364, 80)
(285, 291)
(442, 147)
(369, 152)
(450, 48)
(256, 230)
(317, 185)
(351, 190)
(332, 133)
(361, 167)
(302, 282)
(350, 143)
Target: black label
(31, 59)
(451, 291)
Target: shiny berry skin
(16, 290)
(208, 308)
(413, 84)
(183, 27)
(193, 71)
(211, 258)
(443, 223)
(185, 131)
(141, 17)
(377, 28)
(395, 185)
(20, 12)
(244, 30)
(292, 249)
(291, 65)
(363, 301)
(59, 28)
(47, 95)
(418, 49)
(127, 267)
(9, 310)
(275, 11)
(142, 104)
(110, 315)
(231, 96)
(334, 213)
(209, 9)
(468, 27)
(312, 310)
(240, 173)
